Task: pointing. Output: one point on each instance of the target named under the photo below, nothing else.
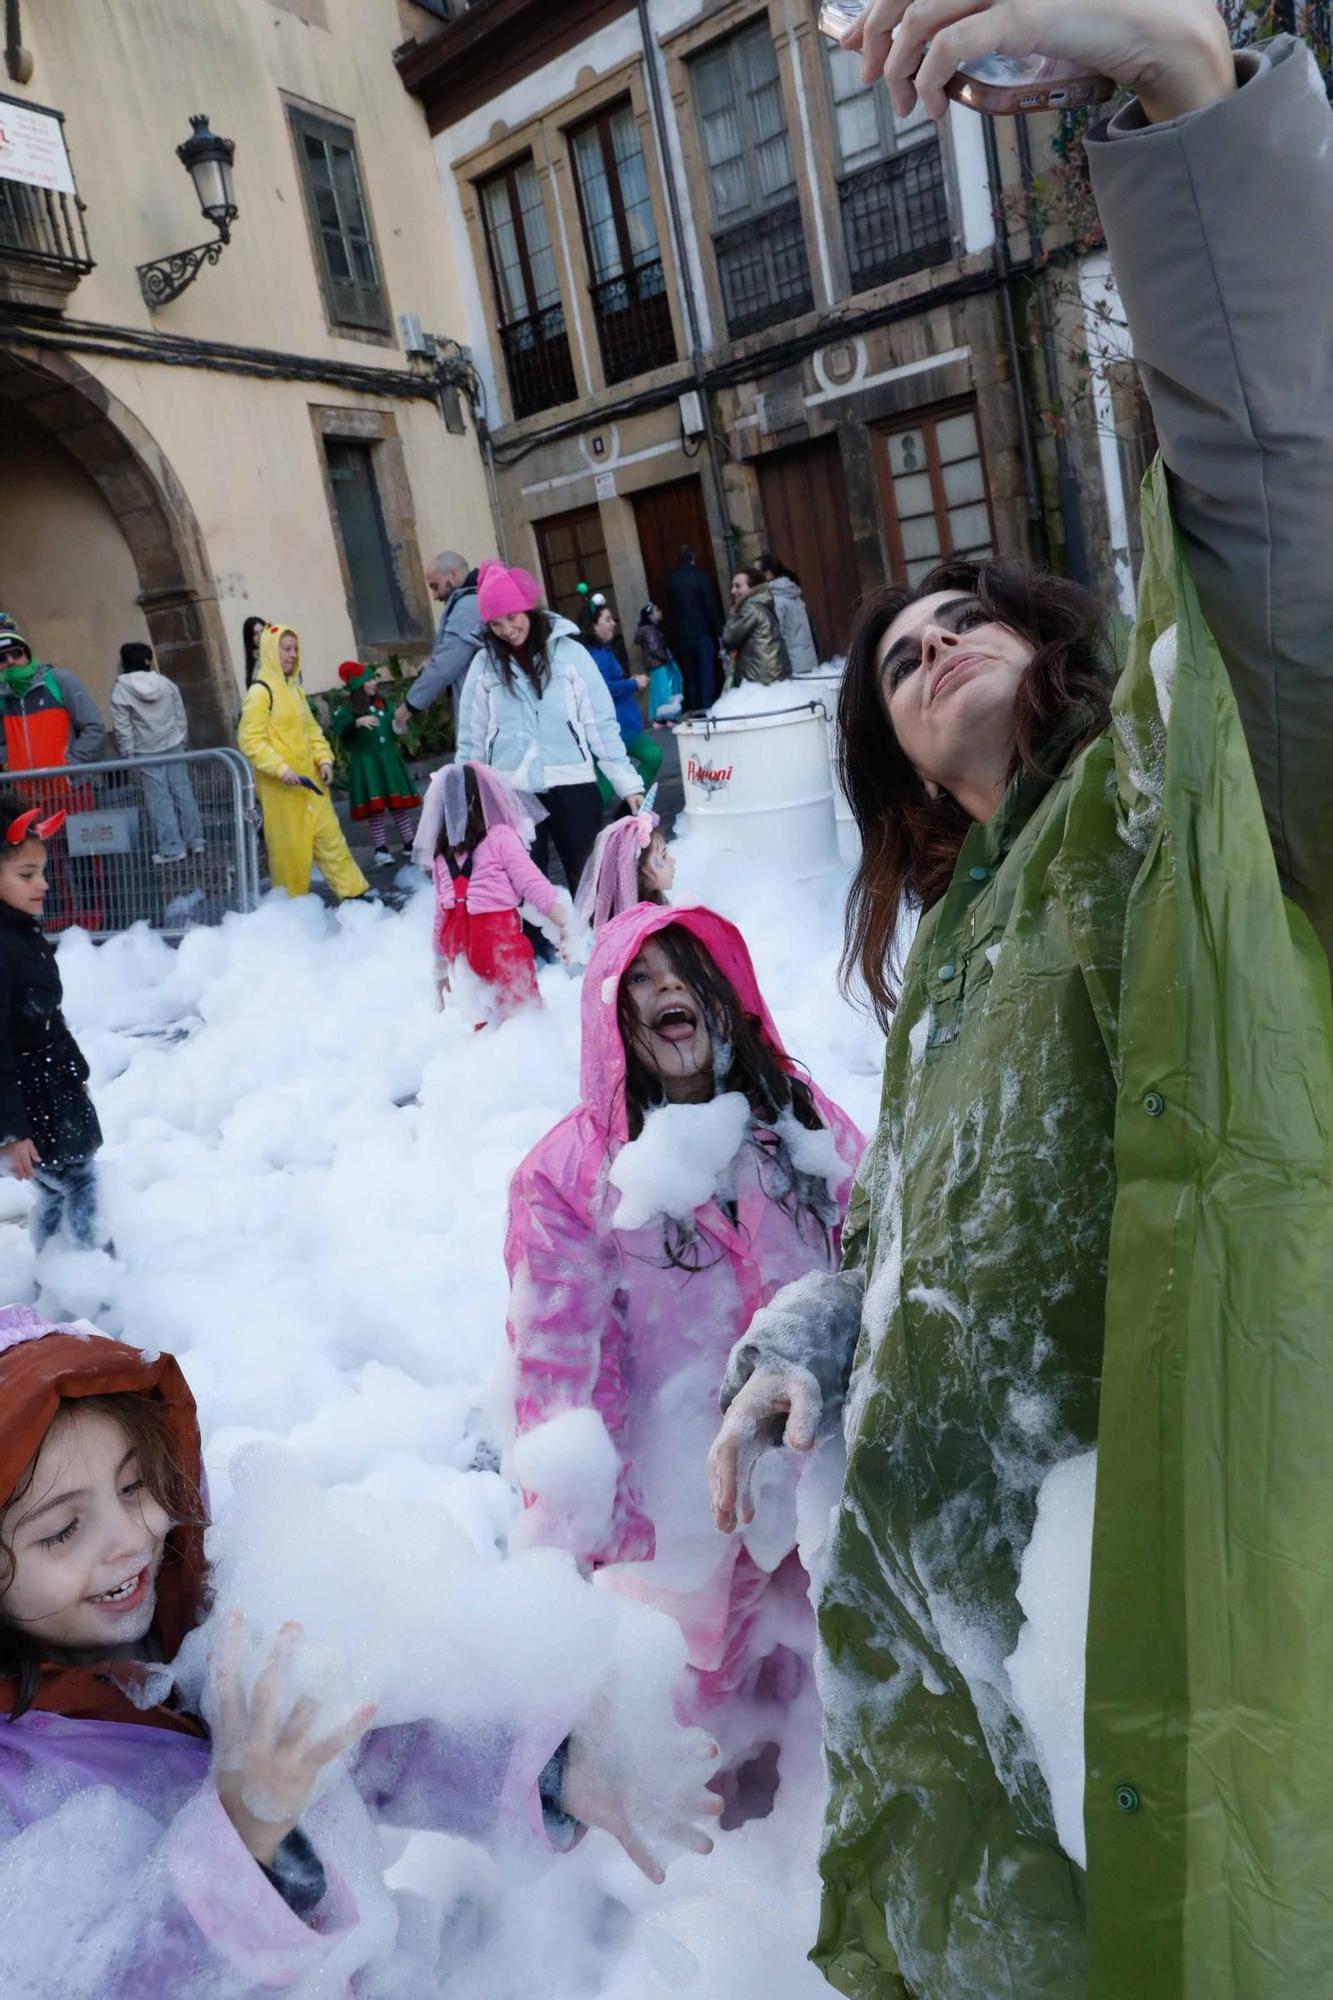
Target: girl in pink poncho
(474, 836)
(621, 1308)
(631, 863)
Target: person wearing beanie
(148, 720)
(536, 709)
(51, 721)
(293, 767)
(378, 780)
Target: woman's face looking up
(949, 677)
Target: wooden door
(808, 525)
(573, 551)
(667, 517)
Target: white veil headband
(445, 807)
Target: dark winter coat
(754, 635)
(693, 608)
(43, 1072)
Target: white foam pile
(305, 1176)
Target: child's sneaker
(383, 858)
(166, 860)
(198, 847)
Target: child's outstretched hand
(367, 722)
(268, 1751)
(599, 1791)
(21, 1157)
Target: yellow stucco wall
(127, 74)
(65, 571)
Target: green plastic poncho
(1099, 1211)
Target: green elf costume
(378, 780)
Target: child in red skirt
(482, 829)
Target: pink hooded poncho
(598, 1318)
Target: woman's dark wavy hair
(507, 662)
(147, 1427)
(909, 841)
(250, 632)
(744, 1062)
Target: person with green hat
(378, 780)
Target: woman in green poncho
(1098, 1210)
(379, 784)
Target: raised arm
(1220, 227)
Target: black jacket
(42, 1068)
(693, 608)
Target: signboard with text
(32, 147)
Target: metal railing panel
(100, 867)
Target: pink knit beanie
(501, 592)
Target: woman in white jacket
(536, 708)
(147, 720)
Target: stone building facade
(718, 294)
(263, 442)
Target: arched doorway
(102, 542)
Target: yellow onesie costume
(278, 733)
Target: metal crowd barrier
(101, 873)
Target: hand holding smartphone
(999, 84)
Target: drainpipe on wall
(18, 60)
(682, 267)
(1071, 514)
(1004, 272)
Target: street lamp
(208, 160)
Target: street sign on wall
(32, 147)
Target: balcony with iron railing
(43, 243)
(764, 271)
(538, 361)
(633, 316)
(895, 217)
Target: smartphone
(1003, 85)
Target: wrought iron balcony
(895, 217)
(43, 229)
(764, 270)
(538, 361)
(633, 317)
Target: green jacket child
(378, 780)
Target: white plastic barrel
(825, 684)
(760, 785)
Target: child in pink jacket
(637, 1322)
(476, 829)
(214, 1872)
(631, 863)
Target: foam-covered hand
(650, 1820)
(269, 1749)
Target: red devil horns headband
(31, 822)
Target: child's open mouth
(676, 1023)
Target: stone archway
(176, 588)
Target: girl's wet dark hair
(147, 1426)
(909, 841)
(475, 830)
(751, 1068)
(508, 663)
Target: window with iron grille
(891, 189)
(348, 266)
(42, 226)
(758, 238)
(629, 295)
(533, 334)
(932, 482)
